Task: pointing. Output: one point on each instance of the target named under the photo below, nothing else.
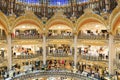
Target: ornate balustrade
(2, 37)
(60, 37)
(27, 37)
(59, 55)
(2, 60)
(38, 74)
(93, 37)
(117, 37)
(27, 56)
(94, 58)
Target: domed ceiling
(51, 2)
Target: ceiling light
(97, 26)
(23, 26)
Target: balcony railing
(93, 37)
(2, 37)
(28, 37)
(38, 74)
(94, 58)
(27, 56)
(60, 37)
(59, 55)
(117, 37)
(3, 59)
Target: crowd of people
(83, 68)
(23, 51)
(26, 33)
(92, 53)
(62, 50)
(59, 33)
(102, 33)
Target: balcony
(2, 60)
(2, 37)
(27, 56)
(60, 37)
(55, 73)
(27, 37)
(59, 55)
(94, 58)
(117, 37)
(93, 37)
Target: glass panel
(30, 1)
(82, 1)
(58, 2)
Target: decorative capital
(28, 11)
(88, 10)
(44, 19)
(59, 13)
(9, 33)
(73, 18)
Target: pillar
(112, 55)
(75, 50)
(44, 49)
(9, 56)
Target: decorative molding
(87, 16)
(29, 17)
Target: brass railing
(27, 56)
(60, 37)
(39, 74)
(93, 58)
(27, 37)
(93, 37)
(117, 37)
(59, 55)
(2, 37)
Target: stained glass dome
(51, 2)
(30, 1)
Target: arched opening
(93, 29)
(27, 46)
(27, 31)
(91, 48)
(60, 46)
(3, 47)
(116, 26)
(27, 37)
(59, 31)
(3, 34)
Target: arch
(28, 19)
(4, 22)
(114, 19)
(59, 20)
(87, 18)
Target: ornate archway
(89, 17)
(4, 22)
(28, 18)
(114, 20)
(59, 20)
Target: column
(112, 55)
(44, 49)
(75, 50)
(9, 56)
